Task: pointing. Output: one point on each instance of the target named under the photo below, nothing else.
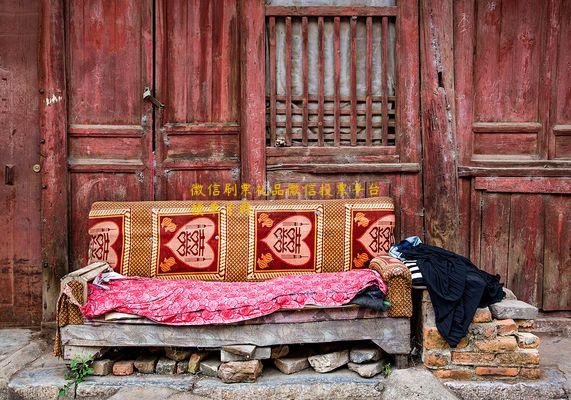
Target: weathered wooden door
(183, 53)
(198, 131)
(20, 185)
(110, 132)
(513, 125)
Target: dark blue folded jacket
(456, 288)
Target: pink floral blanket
(192, 302)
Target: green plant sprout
(79, 369)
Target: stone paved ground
(28, 371)
(555, 352)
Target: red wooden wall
(513, 116)
(475, 142)
(20, 186)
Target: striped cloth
(395, 251)
(417, 279)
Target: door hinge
(148, 96)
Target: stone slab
(182, 367)
(513, 309)
(210, 367)
(146, 364)
(330, 361)
(165, 366)
(177, 354)
(244, 350)
(307, 385)
(291, 365)
(240, 371)
(367, 370)
(365, 354)
(551, 386)
(415, 383)
(102, 367)
(259, 353)
(194, 361)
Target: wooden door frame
(53, 134)
(252, 92)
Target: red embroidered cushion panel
(240, 241)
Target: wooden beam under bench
(391, 334)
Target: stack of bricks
(494, 348)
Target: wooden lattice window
(330, 76)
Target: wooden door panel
(109, 63)
(520, 230)
(557, 256)
(179, 186)
(525, 254)
(495, 234)
(198, 132)
(87, 188)
(508, 47)
(20, 262)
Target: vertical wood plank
(546, 140)
(463, 72)
(288, 79)
(304, 72)
(253, 110)
(408, 128)
(272, 33)
(557, 253)
(353, 34)
(385, 81)
(441, 195)
(368, 77)
(206, 60)
(337, 80)
(475, 224)
(53, 126)
(321, 78)
(495, 223)
(525, 259)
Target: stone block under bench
(493, 349)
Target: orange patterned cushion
(237, 241)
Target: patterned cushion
(238, 241)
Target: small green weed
(387, 369)
(79, 369)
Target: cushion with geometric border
(239, 240)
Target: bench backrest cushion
(239, 240)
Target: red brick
(525, 325)
(506, 326)
(482, 315)
(483, 331)
(496, 371)
(526, 340)
(123, 368)
(472, 358)
(518, 358)
(436, 358)
(458, 374)
(433, 340)
(530, 373)
(497, 345)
